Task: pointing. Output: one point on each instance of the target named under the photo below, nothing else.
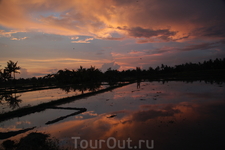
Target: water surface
(31, 98)
(176, 115)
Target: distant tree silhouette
(4, 75)
(12, 68)
(112, 76)
(211, 69)
(138, 73)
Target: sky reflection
(176, 115)
(32, 98)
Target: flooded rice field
(31, 98)
(146, 115)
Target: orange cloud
(6, 34)
(155, 21)
(18, 39)
(83, 41)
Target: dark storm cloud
(139, 32)
(147, 33)
(211, 31)
(158, 51)
(162, 19)
(203, 46)
(193, 47)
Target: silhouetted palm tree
(12, 68)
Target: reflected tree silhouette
(14, 101)
(81, 87)
(93, 87)
(11, 98)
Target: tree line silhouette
(213, 69)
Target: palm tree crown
(12, 68)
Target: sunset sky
(45, 36)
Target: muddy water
(173, 115)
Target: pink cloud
(145, 19)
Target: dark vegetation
(208, 70)
(33, 141)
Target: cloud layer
(163, 20)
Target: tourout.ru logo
(111, 143)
